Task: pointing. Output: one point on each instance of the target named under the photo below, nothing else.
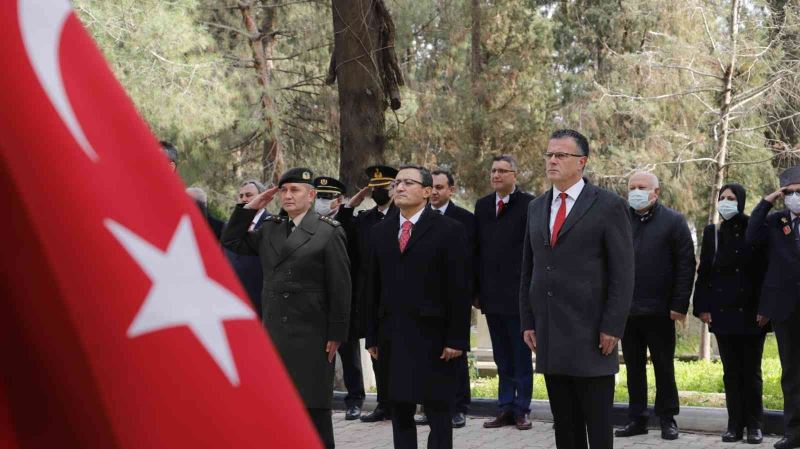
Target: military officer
(306, 294)
(330, 192)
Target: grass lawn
(699, 383)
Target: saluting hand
(261, 200)
(450, 353)
(530, 339)
(774, 196)
(607, 343)
(358, 198)
(331, 349)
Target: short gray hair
(198, 194)
(259, 186)
(507, 158)
(652, 176)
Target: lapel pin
(787, 230)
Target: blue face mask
(728, 208)
(639, 199)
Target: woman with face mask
(726, 298)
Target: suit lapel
(419, 229)
(301, 235)
(579, 209)
(544, 219)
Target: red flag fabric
(121, 323)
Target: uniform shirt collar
(299, 219)
(442, 209)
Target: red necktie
(561, 215)
(405, 235)
(500, 206)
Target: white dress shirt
(442, 209)
(497, 199)
(572, 195)
(413, 221)
(256, 218)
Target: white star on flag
(182, 294)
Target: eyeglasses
(501, 171)
(560, 156)
(407, 183)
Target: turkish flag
(121, 323)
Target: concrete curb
(697, 419)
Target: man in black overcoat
(575, 293)
(500, 219)
(358, 228)
(419, 320)
(779, 234)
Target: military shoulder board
(275, 219)
(330, 221)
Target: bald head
(643, 180)
(643, 191)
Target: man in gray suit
(575, 292)
(306, 294)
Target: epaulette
(330, 221)
(362, 212)
(275, 219)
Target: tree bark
(364, 65)
(476, 72)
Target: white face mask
(793, 203)
(639, 199)
(728, 208)
(322, 206)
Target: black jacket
(581, 287)
(418, 305)
(665, 262)
(780, 292)
(499, 240)
(248, 269)
(729, 278)
(467, 219)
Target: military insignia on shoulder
(329, 220)
(275, 219)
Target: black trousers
(350, 354)
(741, 365)
(788, 335)
(581, 407)
(405, 430)
(323, 421)
(381, 384)
(463, 395)
(658, 334)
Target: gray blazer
(583, 286)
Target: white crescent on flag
(41, 23)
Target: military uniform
(306, 295)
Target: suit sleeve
(704, 269)
(527, 320)
(684, 265)
(618, 240)
(338, 287)
(458, 297)
(236, 236)
(757, 231)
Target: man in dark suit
(201, 199)
(443, 188)
(358, 228)
(500, 228)
(779, 235)
(575, 293)
(248, 268)
(419, 318)
(665, 265)
(306, 294)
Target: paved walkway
(358, 435)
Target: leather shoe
(787, 443)
(503, 419)
(379, 414)
(421, 419)
(459, 420)
(353, 413)
(754, 436)
(523, 422)
(669, 429)
(731, 436)
(631, 429)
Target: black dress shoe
(459, 420)
(421, 419)
(731, 436)
(788, 443)
(379, 414)
(669, 429)
(754, 436)
(353, 413)
(631, 429)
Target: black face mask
(380, 196)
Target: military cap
(326, 184)
(299, 175)
(790, 176)
(380, 175)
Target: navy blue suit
(780, 300)
(498, 265)
(248, 269)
